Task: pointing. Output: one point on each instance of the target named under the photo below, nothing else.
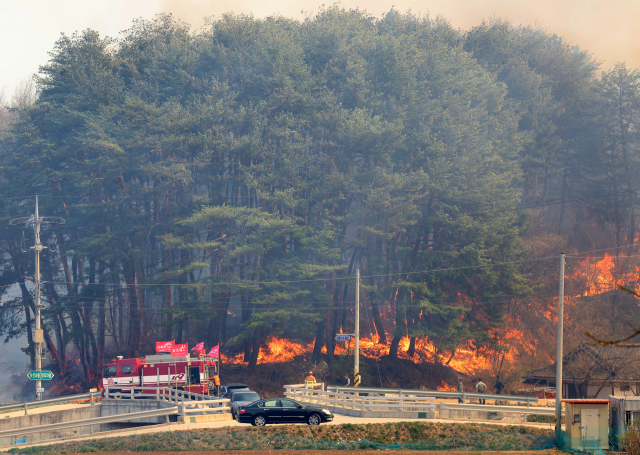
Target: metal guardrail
(205, 407)
(159, 393)
(368, 403)
(436, 394)
(89, 422)
(535, 410)
(189, 402)
(25, 404)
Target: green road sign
(36, 375)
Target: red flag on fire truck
(199, 347)
(179, 350)
(164, 346)
(215, 352)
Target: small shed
(587, 420)
(624, 413)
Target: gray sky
(29, 28)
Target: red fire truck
(160, 370)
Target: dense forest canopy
(256, 164)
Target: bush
(630, 441)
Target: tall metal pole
(356, 357)
(37, 222)
(559, 353)
(39, 335)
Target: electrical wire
(512, 208)
(245, 283)
(315, 280)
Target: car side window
(271, 404)
(126, 369)
(288, 404)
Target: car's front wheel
(259, 421)
(314, 419)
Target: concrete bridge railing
(435, 393)
(363, 406)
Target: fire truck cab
(160, 370)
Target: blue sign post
(343, 337)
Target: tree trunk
(339, 301)
(255, 352)
(133, 342)
(377, 322)
(146, 335)
(412, 347)
(319, 342)
(246, 315)
(29, 322)
(393, 349)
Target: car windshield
(245, 396)
(109, 371)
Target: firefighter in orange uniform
(216, 383)
(310, 380)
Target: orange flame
(465, 360)
(275, 350)
(446, 387)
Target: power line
(316, 280)
(364, 191)
(247, 283)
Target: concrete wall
(378, 414)
(119, 407)
(82, 412)
(464, 414)
(606, 391)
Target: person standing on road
(347, 381)
(460, 388)
(480, 388)
(499, 386)
(216, 384)
(310, 380)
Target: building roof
(586, 401)
(593, 363)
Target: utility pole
(37, 221)
(356, 357)
(559, 353)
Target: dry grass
(402, 435)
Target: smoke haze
(605, 29)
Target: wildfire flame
(446, 387)
(603, 275)
(275, 350)
(466, 359)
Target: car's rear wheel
(259, 421)
(314, 419)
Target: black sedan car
(282, 410)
